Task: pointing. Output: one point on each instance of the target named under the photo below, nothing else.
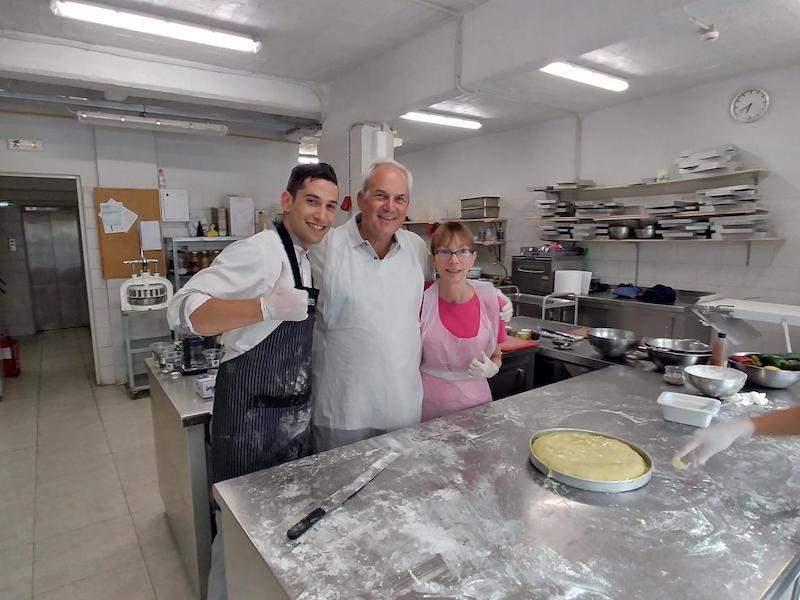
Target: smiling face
(453, 268)
(310, 212)
(384, 204)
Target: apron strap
(288, 246)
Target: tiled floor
(80, 513)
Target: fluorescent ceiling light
(307, 160)
(424, 117)
(93, 13)
(105, 119)
(587, 76)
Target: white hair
(386, 161)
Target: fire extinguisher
(9, 353)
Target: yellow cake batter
(589, 456)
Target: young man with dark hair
(258, 294)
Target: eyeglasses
(461, 253)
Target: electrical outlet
(12, 245)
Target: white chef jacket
(247, 268)
(367, 343)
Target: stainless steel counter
(180, 429)
(683, 302)
(463, 514)
(581, 353)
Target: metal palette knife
(340, 496)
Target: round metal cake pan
(592, 485)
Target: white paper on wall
(116, 217)
(150, 235)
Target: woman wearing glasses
(461, 328)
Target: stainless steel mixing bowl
(613, 343)
(715, 381)
(766, 378)
(662, 358)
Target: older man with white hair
(367, 344)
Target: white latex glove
(707, 442)
(285, 302)
(482, 367)
(507, 311)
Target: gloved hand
(285, 302)
(707, 442)
(507, 310)
(482, 367)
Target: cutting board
(512, 344)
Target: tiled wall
(209, 168)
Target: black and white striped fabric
(262, 404)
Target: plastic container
(687, 409)
(673, 375)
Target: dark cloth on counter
(659, 294)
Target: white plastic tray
(687, 409)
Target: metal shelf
(498, 220)
(770, 240)
(671, 186)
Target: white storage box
(687, 409)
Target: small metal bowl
(619, 232)
(715, 381)
(685, 346)
(645, 233)
(760, 376)
(663, 358)
(613, 343)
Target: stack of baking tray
(561, 231)
(589, 210)
(728, 197)
(553, 207)
(683, 229)
(738, 227)
(671, 206)
(590, 231)
(482, 207)
(714, 160)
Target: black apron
(262, 402)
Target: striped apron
(262, 404)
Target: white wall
(633, 140)
(209, 168)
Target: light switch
(12, 245)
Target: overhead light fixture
(123, 19)
(587, 76)
(6, 204)
(434, 119)
(304, 159)
(105, 119)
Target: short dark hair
(302, 173)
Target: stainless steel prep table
(462, 514)
(180, 427)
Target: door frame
(82, 221)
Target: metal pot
(619, 232)
(645, 233)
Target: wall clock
(749, 105)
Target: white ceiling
(663, 54)
(315, 40)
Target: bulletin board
(118, 247)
